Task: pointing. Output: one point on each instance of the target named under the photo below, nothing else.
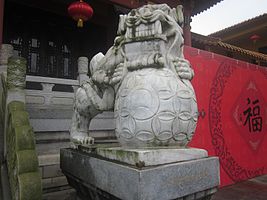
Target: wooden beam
(128, 4)
(138, 3)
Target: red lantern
(80, 12)
(255, 37)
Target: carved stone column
(16, 79)
(16, 83)
(6, 51)
(83, 69)
(47, 92)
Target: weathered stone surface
(6, 51)
(29, 186)
(168, 181)
(83, 70)
(50, 159)
(51, 171)
(26, 161)
(54, 182)
(22, 163)
(19, 118)
(24, 137)
(4, 186)
(66, 194)
(149, 157)
(90, 100)
(16, 73)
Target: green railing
(19, 142)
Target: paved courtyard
(253, 189)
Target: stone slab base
(151, 157)
(98, 178)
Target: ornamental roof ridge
(213, 41)
(243, 23)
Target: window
(33, 56)
(17, 45)
(51, 43)
(45, 57)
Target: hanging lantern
(80, 12)
(255, 37)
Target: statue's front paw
(118, 75)
(183, 69)
(88, 140)
(185, 73)
(84, 140)
(100, 77)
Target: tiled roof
(202, 5)
(198, 5)
(241, 24)
(212, 41)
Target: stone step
(97, 124)
(52, 177)
(51, 148)
(51, 126)
(51, 171)
(64, 136)
(60, 120)
(48, 145)
(48, 159)
(52, 142)
(48, 137)
(66, 194)
(54, 184)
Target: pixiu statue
(146, 79)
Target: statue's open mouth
(144, 31)
(145, 42)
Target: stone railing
(22, 162)
(18, 142)
(57, 92)
(50, 103)
(50, 91)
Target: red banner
(232, 103)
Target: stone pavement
(253, 189)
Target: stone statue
(155, 104)
(93, 97)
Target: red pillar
(187, 19)
(1, 20)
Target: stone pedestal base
(98, 177)
(151, 157)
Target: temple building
(230, 80)
(44, 34)
(244, 41)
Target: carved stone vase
(155, 104)
(153, 107)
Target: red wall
(232, 101)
